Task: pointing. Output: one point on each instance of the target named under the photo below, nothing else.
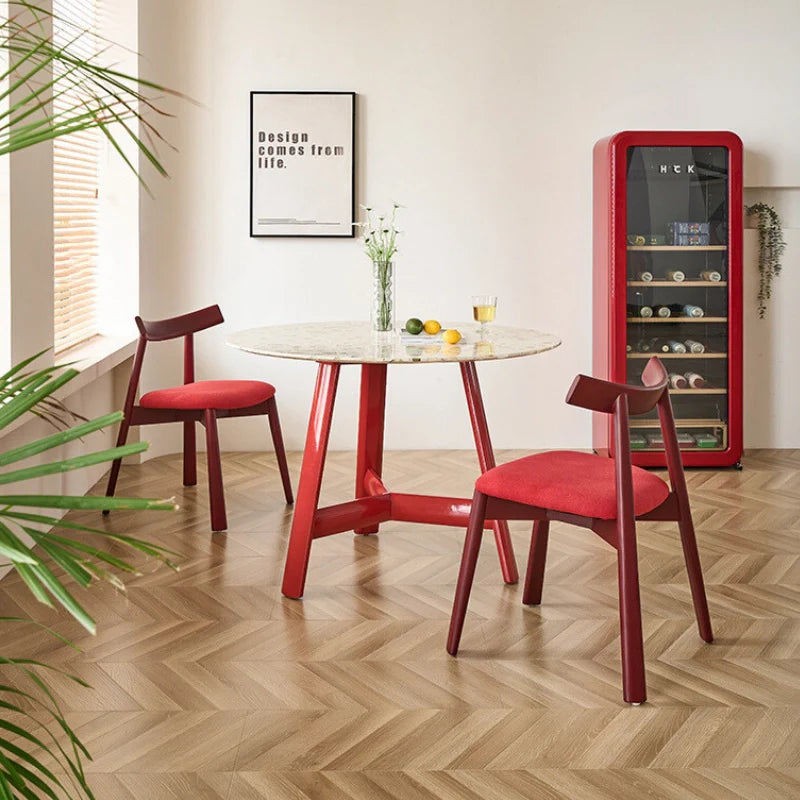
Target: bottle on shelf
(628, 348)
(662, 311)
(676, 346)
(657, 345)
(644, 276)
(711, 275)
(676, 275)
(693, 311)
(695, 347)
(677, 381)
(639, 311)
(694, 380)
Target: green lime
(414, 325)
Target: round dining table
(334, 344)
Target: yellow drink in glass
(483, 313)
(484, 307)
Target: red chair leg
(280, 451)
(693, 568)
(122, 437)
(216, 493)
(189, 454)
(466, 573)
(630, 616)
(532, 593)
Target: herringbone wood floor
(207, 683)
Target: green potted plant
(40, 755)
(770, 250)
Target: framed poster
(302, 166)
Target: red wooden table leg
(483, 444)
(319, 428)
(370, 429)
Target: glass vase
(382, 304)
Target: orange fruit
(451, 337)
(431, 326)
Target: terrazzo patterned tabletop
(355, 343)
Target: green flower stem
(383, 292)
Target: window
(76, 167)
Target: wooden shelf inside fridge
(680, 423)
(679, 320)
(707, 284)
(678, 355)
(682, 247)
(698, 391)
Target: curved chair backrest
(598, 395)
(621, 400)
(160, 330)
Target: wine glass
(484, 307)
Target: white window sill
(93, 358)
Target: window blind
(76, 161)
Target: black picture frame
(302, 164)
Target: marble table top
(355, 343)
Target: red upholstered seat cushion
(209, 394)
(575, 483)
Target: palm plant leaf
(104, 98)
(27, 746)
(54, 556)
(23, 773)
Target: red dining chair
(197, 401)
(606, 495)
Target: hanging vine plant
(770, 251)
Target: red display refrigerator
(668, 282)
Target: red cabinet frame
(611, 284)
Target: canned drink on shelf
(675, 346)
(644, 276)
(695, 347)
(706, 440)
(676, 275)
(711, 275)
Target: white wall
(480, 118)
